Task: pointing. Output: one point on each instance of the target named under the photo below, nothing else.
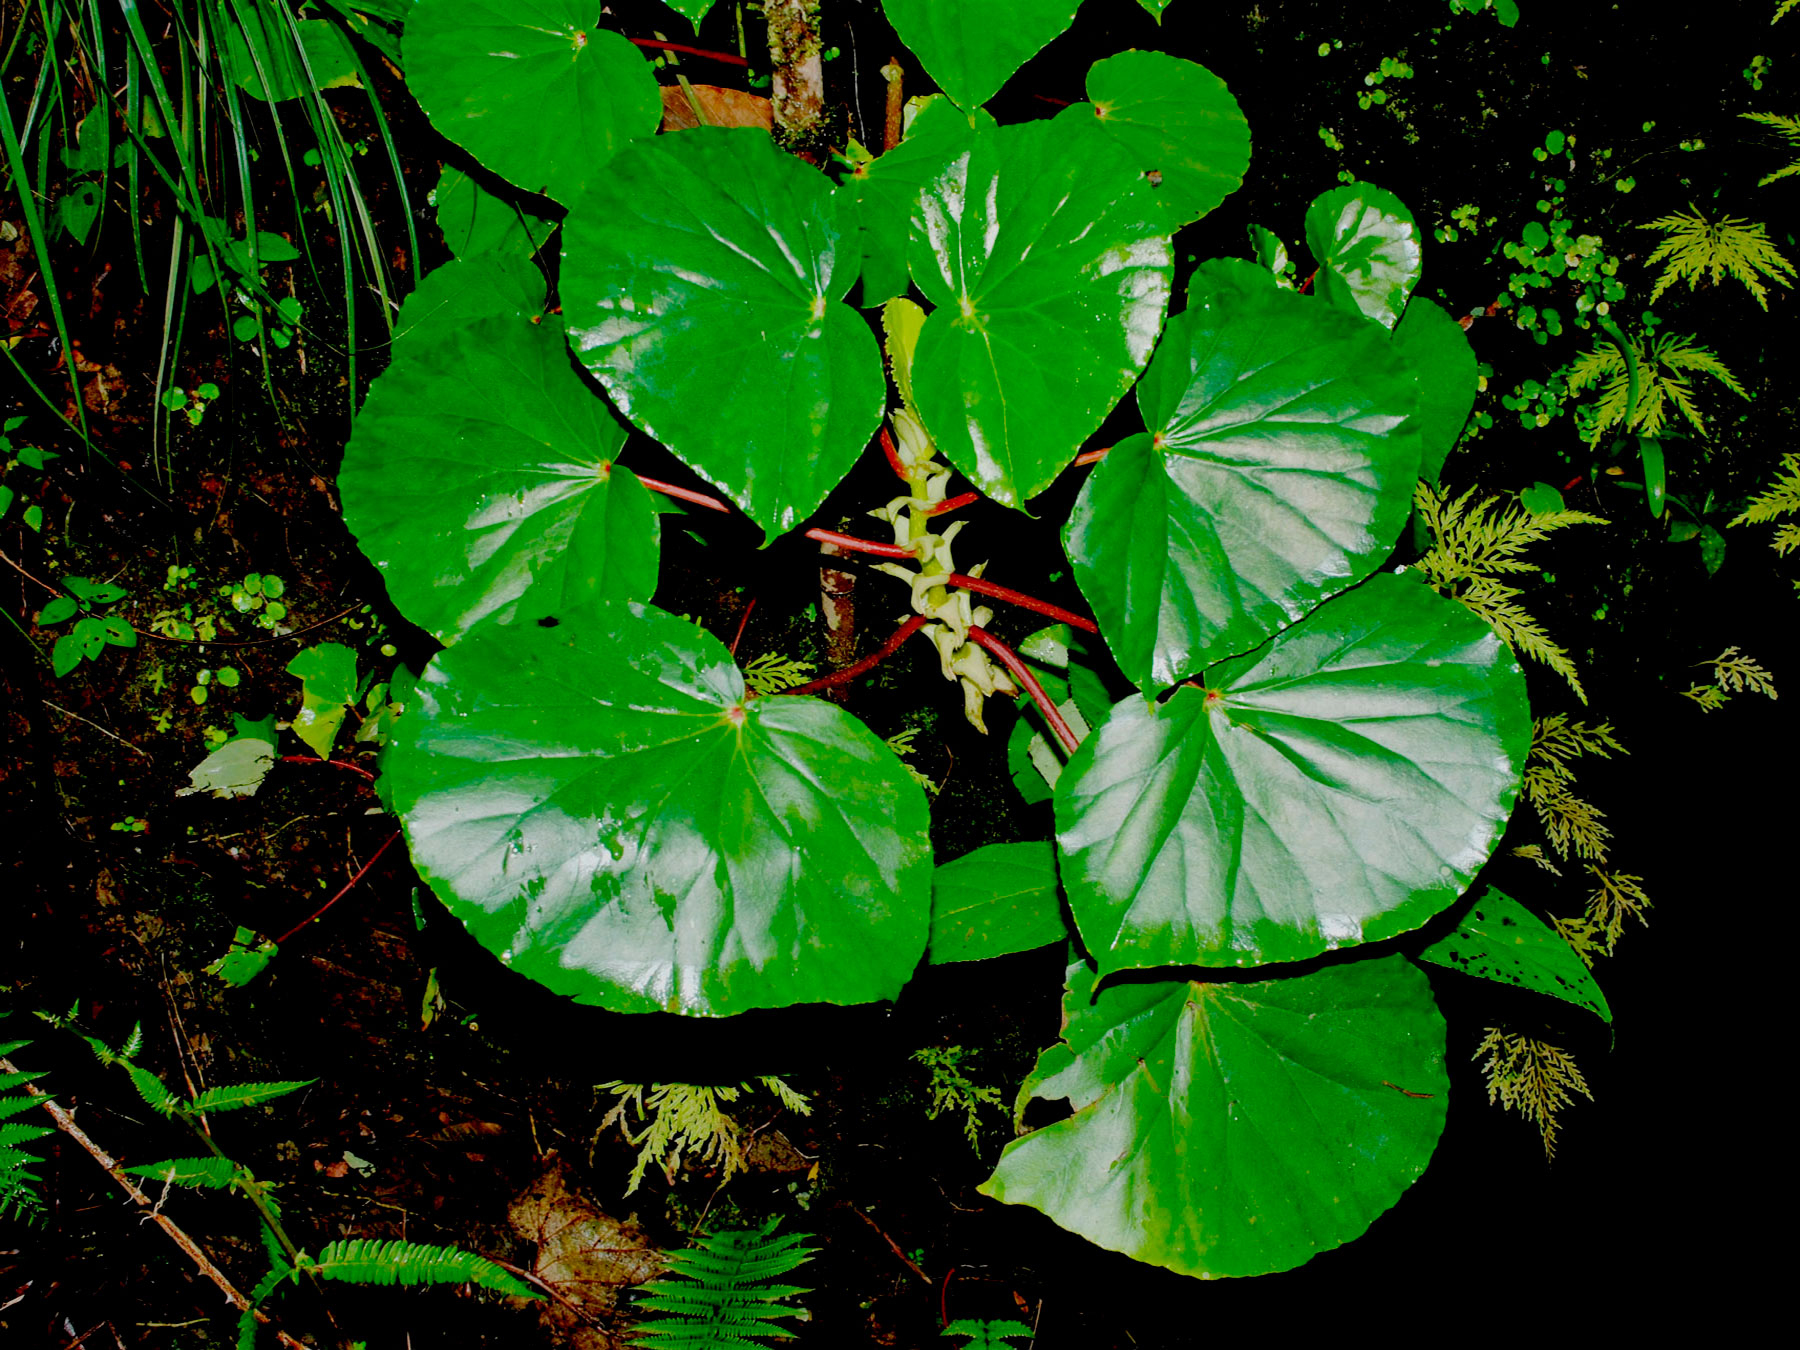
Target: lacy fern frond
(1732, 673)
(1534, 853)
(1694, 246)
(953, 1090)
(1477, 542)
(1571, 824)
(1532, 1077)
(688, 1118)
(771, 672)
(369, 1261)
(1618, 896)
(1709, 696)
(1782, 9)
(1664, 364)
(1780, 498)
(1585, 937)
(718, 1293)
(901, 743)
(1788, 127)
(19, 1197)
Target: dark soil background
(1655, 1183)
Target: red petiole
(868, 663)
(1023, 601)
(683, 494)
(361, 873)
(1022, 673)
(855, 545)
(955, 503)
(728, 58)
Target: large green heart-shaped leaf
(1234, 1129)
(1174, 120)
(971, 47)
(887, 192)
(1341, 784)
(1368, 250)
(701, 282)
(465, 290)
(1279, 471)
(999, 899)
(475, 221)
(1048, 261)
(602, 807)
(1442, 360)
(479, 479)
(1499, 939)
(530, 87)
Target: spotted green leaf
(1234, 1129)
(1499, 939)
(604, 809)
(1341, 784)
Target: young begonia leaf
(1341, 784)
(1176, 122)
(1499, 939)
(327, 675)
(1368, 250)
(1234, 1129)
(602, 807)
(247, 957)
(887, 192)
(1279, 471)
(530, 88)
(1000, 899)
(475, 221)
(479, 478)
(727, 341)
(972, 47)
(1434, 345)
(1048, 261)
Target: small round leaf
(1368, 250)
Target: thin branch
(361, 872)
(97, 727)
(1022, 673)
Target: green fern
(213, 1174)
(771, 672)
(1532, 1077)
(19, 1197)
(1789, 127)
(1780, 498)
(1571, 824)
(688, 1118)
(718, 1295)
(1694, 247)
(986, 1335)
(1616, 897)
(1664, 366)
(371, 1261)
(1732, 673)
(1473, 546)
(1782, 9)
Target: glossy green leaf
(1234, 1129)
(479, 479)
(691, 10)
(1065, 665)
(327, 675)
(530, 88)
(475, 221)
(59, 610)
(1367, 248)
(1279, 470)
(1046, 258)
(701, 283)
(1176, 122)
(1339, 785)
(1155, 8)
(1434, 345)
(971, 47)
(1270, 252)
(467, 289)
(603, 809)
(1499, 939)
(273, 58)
(1542, 498)
(247, 957)
(887, 193)
(1002, 898)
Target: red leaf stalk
(868, 663)
(855, 545)
(361, 873)
(669, 490)
(1022, 600)
(1022, 673)
(729, 58)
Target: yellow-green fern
(771, 672)
(686, 1118)
(1694, 247)
(1788, 127)
(1780, 498)
(1732, 673)
(1475, 543)
(1571, 824)
(1665, 364)
(1533, 1077)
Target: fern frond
(1780, 498)
(688, 1118)
(1709, 696)
(771, 672)
(1585, 937)
(1782, 9)
(1736, 673)
(370, 1261)
(19, 1197)
(986, 1335)
(1694, 246)
(1660, 383)
(203, 1173)
(1618, 896)
(1535, 853)
(1788, 127)
(1570, 824)
(718, 1296)
(1557, 740)
(265, 1289)
(240, 1095)
(1532, 1077)
(1786, 539)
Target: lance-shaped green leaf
(1048, 262)
(1234, 1129)
(602, 807)
(1339, 785)
(530, 87)
(1279, 470)
(1499, 939)
(701, 283)
(480, 480)
(1002, 898)
(1433, 344)
(1367, 248)
(475, 221)
(970, 48)
(1176, 122)
(887, 192)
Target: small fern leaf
(19, 1197)
(1780, 498)
(212, 1174)
(265, 1289)
(370, 1261)
(718, 1294)
(1694, 246)
(1788, 127)
(986, 1335)
(240, 1095)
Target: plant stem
(727, 57)
(797, 77)
(683, 494)
(309, 759)
(850, 543)
(1022, 673)
(1091, 456)
(868, 663)
(1022, 600)
(361, 872)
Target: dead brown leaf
(723, 108)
